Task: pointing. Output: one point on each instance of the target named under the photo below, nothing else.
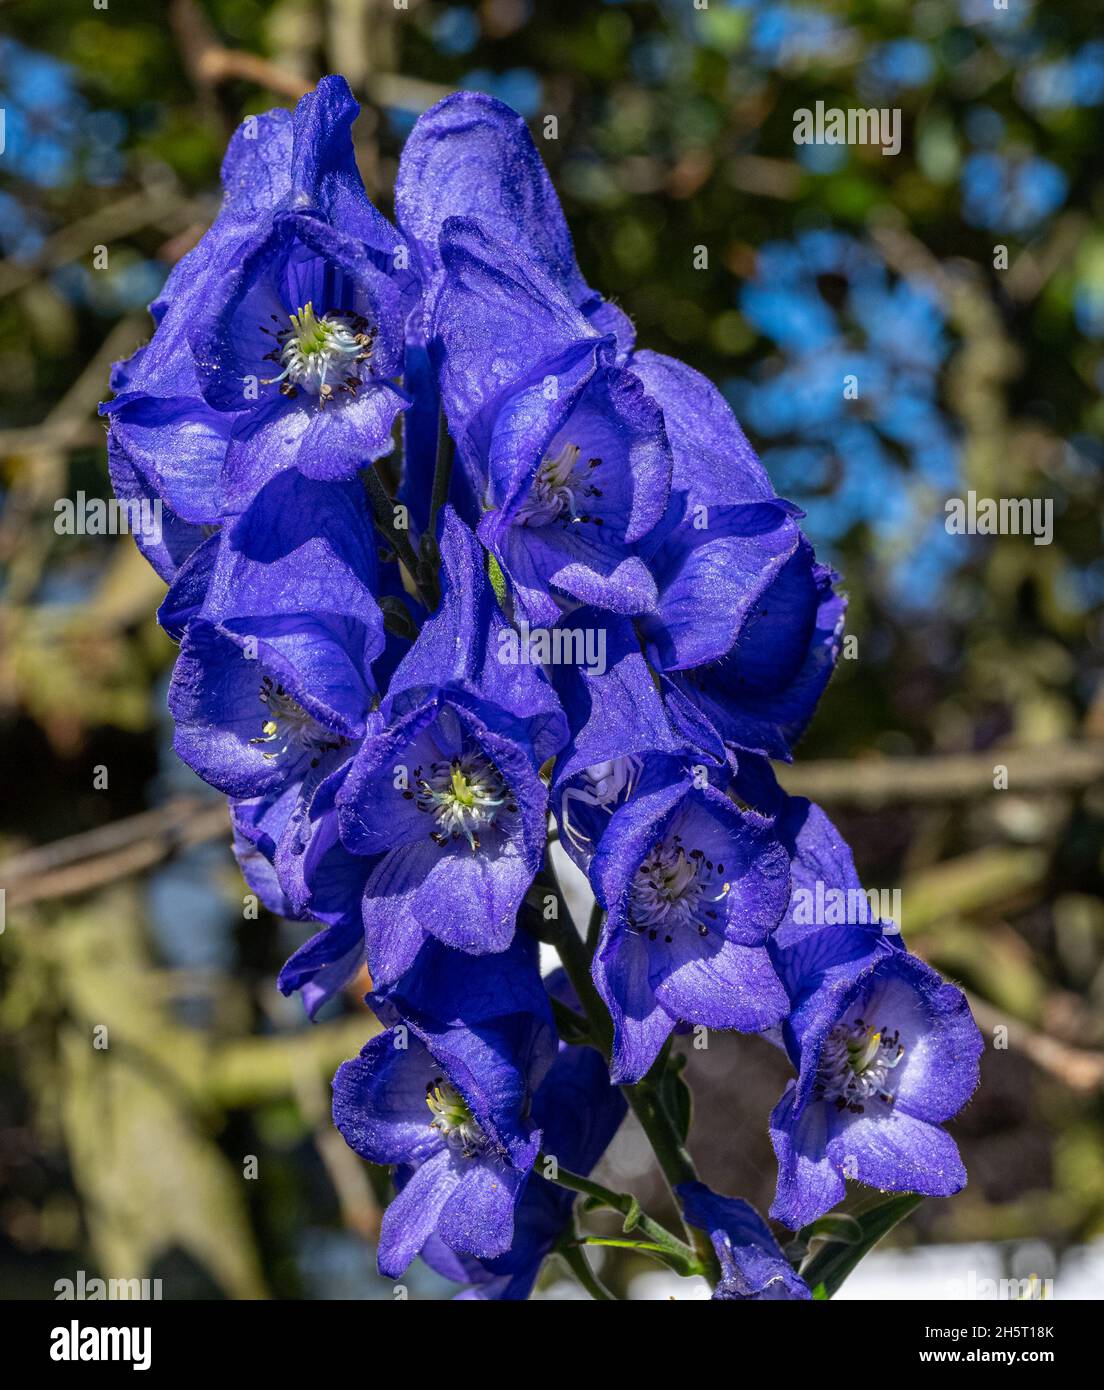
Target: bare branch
(1075, 1067)
(871, 782)
(160, 207)
(96, 858)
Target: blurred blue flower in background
(52, 136)
(790, 36)
(1076, 80)
(898, 65)
(517, 87)
(54, 139)
(833, 311)
(456, 30)
(1006, 193)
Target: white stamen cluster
(464, 795)
(558, 488)
(675, 888)
(289, 721)
(317, 353)
(855, 1065)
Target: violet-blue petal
(380, 1100)
(472, 156)
(752, 1264)
(168, 546)
(413, 1214)
(809, 1183)
(714, 464)
(722, 573)
(463, 648)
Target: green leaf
(836, 1226)
(832, 1257)
(673, 1259)
(676, 1097)
(632, 1217)
(615, 1243)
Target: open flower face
(572, 525)
(279, 338)
(882, 1066)
(306, 337)
(694, 887)
(456, 813)
(450, 1104)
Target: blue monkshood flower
(578, 1113)
(752, 1265)
(449, 1111)
(447, 793)
(575, 1108)
(164, 442)
(621, 726)
(446, 1093)
(273, 684)
(472, 156)
(746, 622)
(882, 1066)
(886, 1052)
(692, 888)
(279, 336)
(564, 451)
(291, 856)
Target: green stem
(575, 959)
(594, 926)
(383, 511)
(672, 1250)
(575, 1259)
(429, 565)
(675, 1163)
(442, 472)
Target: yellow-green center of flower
(465, 795)
(320, 355)
(856, 1065)
(311, 334)
(453, 1119)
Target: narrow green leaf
(681, 1264)
(832, 1259)
(676, 1097)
